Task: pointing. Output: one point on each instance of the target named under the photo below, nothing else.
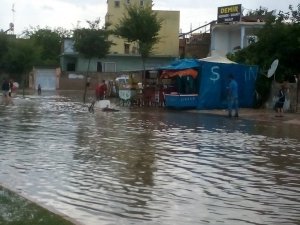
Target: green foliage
(279, 39)
(15, 210)
(141, 25)
(3, 48)
(60, 31)
(21, 56)
(92, 42)
(38, 47)
(49, 41)
(295, 14)
(263, 12)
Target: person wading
(233, 97)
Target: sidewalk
(264, 115)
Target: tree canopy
(91, 43)
(141, 25)
(37, 47)
(49, 41)
(278, 39)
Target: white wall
(225, 37)
(46, 78)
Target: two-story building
(230, 32)
(233, 31)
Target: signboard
(231, 13)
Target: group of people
(233, 104)
(232, 97)
(7, 89)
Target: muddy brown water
(149, 165)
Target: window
(142, 3)
(126, 48)
(117, 4)
(128, 2)
(109, 67)
(71, 67)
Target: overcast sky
(72, 13)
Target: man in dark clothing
(280, 102)
(5, 87)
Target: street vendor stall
(202, 83)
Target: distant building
(124, 56)
(233, 31)
(229, 33)
(168, 43)
(228, 38)
(197, 45)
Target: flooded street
(149, 165)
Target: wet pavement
(151, 165)
(259, 115)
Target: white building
(232, 31)
(227, 38)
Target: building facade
(168, 43)
(232, 31)
(230, 37)
(124, 56)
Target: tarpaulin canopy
(213, 78)
(173, 73)
(217, 59)
(182, 64)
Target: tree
(3, 48)
(91, 43)
(37, 47)
(21, 56)
(278, 39)
(50, 41)
(141, 25)
(263, 13)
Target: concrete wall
(169, 42)
(121, 62)
(226, 37)
(67, 83)
(291, 96)
(113, 16)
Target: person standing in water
(39, 89)
(280, 102)
(233, 97)
(5, 90)
(100, 91)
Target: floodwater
(149, 166)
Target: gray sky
(71, 13)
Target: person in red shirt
(101, 90)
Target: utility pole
(12, 24)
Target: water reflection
(149, 166)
